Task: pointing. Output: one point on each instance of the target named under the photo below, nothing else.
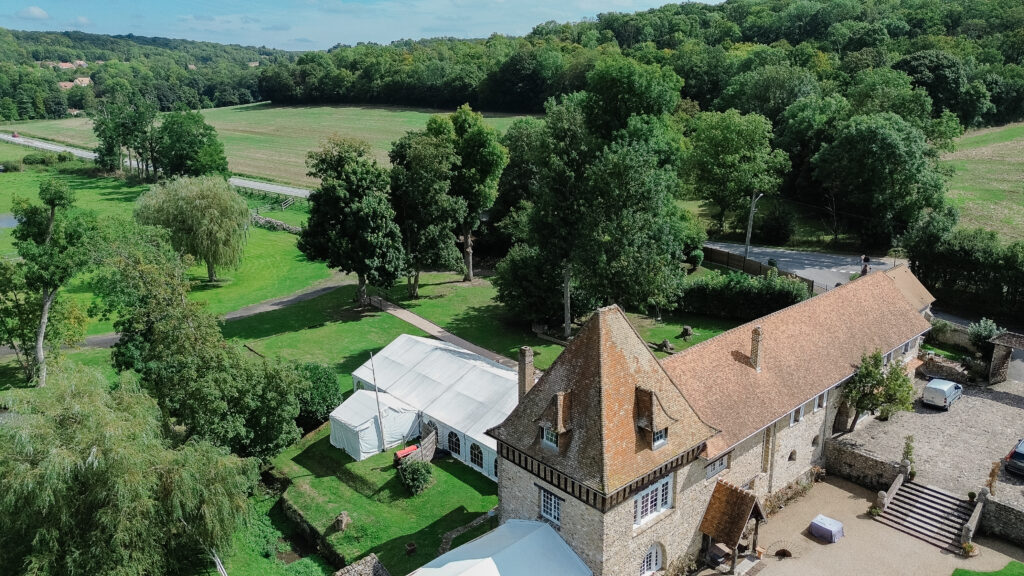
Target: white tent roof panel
(516, 548)
(459, 388)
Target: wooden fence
(755, 267)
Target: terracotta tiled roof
(65, 85)
(915, 292)
(728, 512)
(807, 348)
(83, 81)
(612, 392)
(1011, 339)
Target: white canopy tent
(461, 393)
(516, 548)
(355, 428)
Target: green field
(988, 182)
(272, 141)
(1012, 569)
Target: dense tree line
(169, 73)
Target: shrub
(908, 450)
(875, 511)
(980, 333)
(320, 395)
(37, 158)
(972, 495)
(415, 475)
(776, 225)
(939, 330)
(737, 295)
(13, 166)
(65, 157)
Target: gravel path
(955, 450)
(89, 155)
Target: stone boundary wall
(1003, 521)
(1000, 366)
(938, 367)
(276, 225)
(368, 566)
(845, 460)
(956, 335)
(311, 534)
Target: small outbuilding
(355, 425)
(1007, 358)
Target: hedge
(738, 295)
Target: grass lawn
(1012, 569)
(671, 325)
(272, 141)
(265, 546)
(385, 517)
(471, 312)
(987, 181)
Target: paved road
(825, 269)
(89, 155)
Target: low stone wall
(938, 367)
(1000, 366)
(846, 460)
(311, 534)
(271, 224)
(1003, 521)
(956, 335)
(368, 566)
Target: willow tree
(207, 219)
(90, 484)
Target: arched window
(652, 560)
(476, 455)
(454, 444)
(792, 456)
(815, 441)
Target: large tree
(206, 217)
(876, 386)
(732, 161)
(619, 88)
(54, 241)
(475, 175)
(90, 484)
(187, 146)
(351, 223)
(426, 212)
(768, 90)
(883, 175)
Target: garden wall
(311, 534)
(368, 566)
(849, 461)
(1003, 521)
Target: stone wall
(939, 367)
(368, 566)
(956, 335)
(1003, 521)
(580, 526)
(846, 460)
(803, 441)
(311, 534)
(271, 224)
(1000, 364)
(746, 466)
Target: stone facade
(368, 566)
(1003, 521)
(1000, 364)
(610, 544)
(843, 459)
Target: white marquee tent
(355, 428)
(461, 393)
(516, 548)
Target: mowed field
(271, 142)
(988, 182)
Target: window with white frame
(660, 437)
(796, 415)
(652, 560)
(651, 501)
(906, 346)
(717, 466)
(549, 436)
(821, 401)
(550, 506)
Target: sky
(303, 24)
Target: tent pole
(380, 417)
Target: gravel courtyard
(955, 450)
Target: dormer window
(660, 437)
(549, 436)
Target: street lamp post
(750, 221)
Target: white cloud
(33, 13)
(80, 22)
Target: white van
(941, 393)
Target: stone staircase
(928, 514)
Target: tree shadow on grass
(490, 327)
(334, 306)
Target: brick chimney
(525, 370)
(756, 347)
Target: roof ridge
(755, 321)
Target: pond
(7, 221)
